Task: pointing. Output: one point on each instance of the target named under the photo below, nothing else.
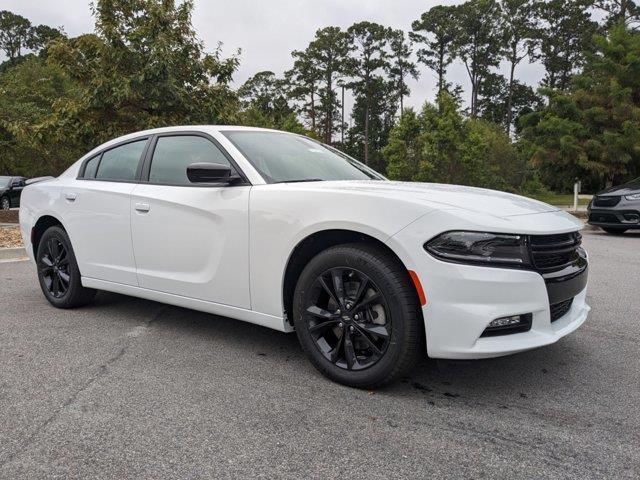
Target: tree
(40, 36)
(14, 34)
(328, 54)
(592, 131)
(500, 96)
(619, 11)
(565, 38)
(304, 79)
(477, 42)
(519, 22)
(435, 31)
(400, 65)
(369, 59)
(441, 145)
(144, 68)
(403, 152)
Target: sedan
(282, 231)
(10, 191)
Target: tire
(615, 230)
(58, 272)
(392, 307)
(5, 204)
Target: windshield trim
(366, 170)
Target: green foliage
(593, 130)
(144, 68)
(440, 145)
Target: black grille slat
(559, 310)
(608, 201)
(554, 252)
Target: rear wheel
(615, 230)
(58, 271)
(5, 204)
(357, 316)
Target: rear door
(98, 212)
(191, 239)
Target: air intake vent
(559, 310)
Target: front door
(190, 240)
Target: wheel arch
(43, 223)
(314, 243)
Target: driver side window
(173, 154)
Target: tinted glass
(281, 157)
(174, 154)
(4, 182)
(90, 167)
(121, 163)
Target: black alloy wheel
(347, 317)
(357, 315)
(5, 204)
(58, 271)
(53, 265)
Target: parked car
(616, 209)
(10, 191)
(279, 230)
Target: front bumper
(465, 299)
(462, 300)
(619, 216)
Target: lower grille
(559, 310)
(603, 218)
(606, 201)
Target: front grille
(559, 310)
(606, 201)
(555, 252)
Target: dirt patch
(8, 216)
(10, 237)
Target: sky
(268, 31)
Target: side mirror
(209, 173)
(15, 184)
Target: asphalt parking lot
(128, 388)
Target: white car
(285, 232)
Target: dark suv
(616, 209)
(10, 191)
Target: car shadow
(492, 383)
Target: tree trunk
(510, 97)
(366, 134)
(313, 108)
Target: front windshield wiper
(302, 180)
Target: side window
(120, 163)
(174, 154)
(90, 167)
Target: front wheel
(357, 316)
(5, 204)
(58, 271)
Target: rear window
(121, 163)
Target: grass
(559, 199)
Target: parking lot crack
(100, 372)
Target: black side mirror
(209, 173)
(15, 184)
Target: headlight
(635, 196)
(482, 248)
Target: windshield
(283, 157)
(4, 182)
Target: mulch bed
(10, 237)
(8, 216)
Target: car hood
(626, 189)
(441, 196)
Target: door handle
(142, 207)
(70, 197)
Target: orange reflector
(418, 285)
